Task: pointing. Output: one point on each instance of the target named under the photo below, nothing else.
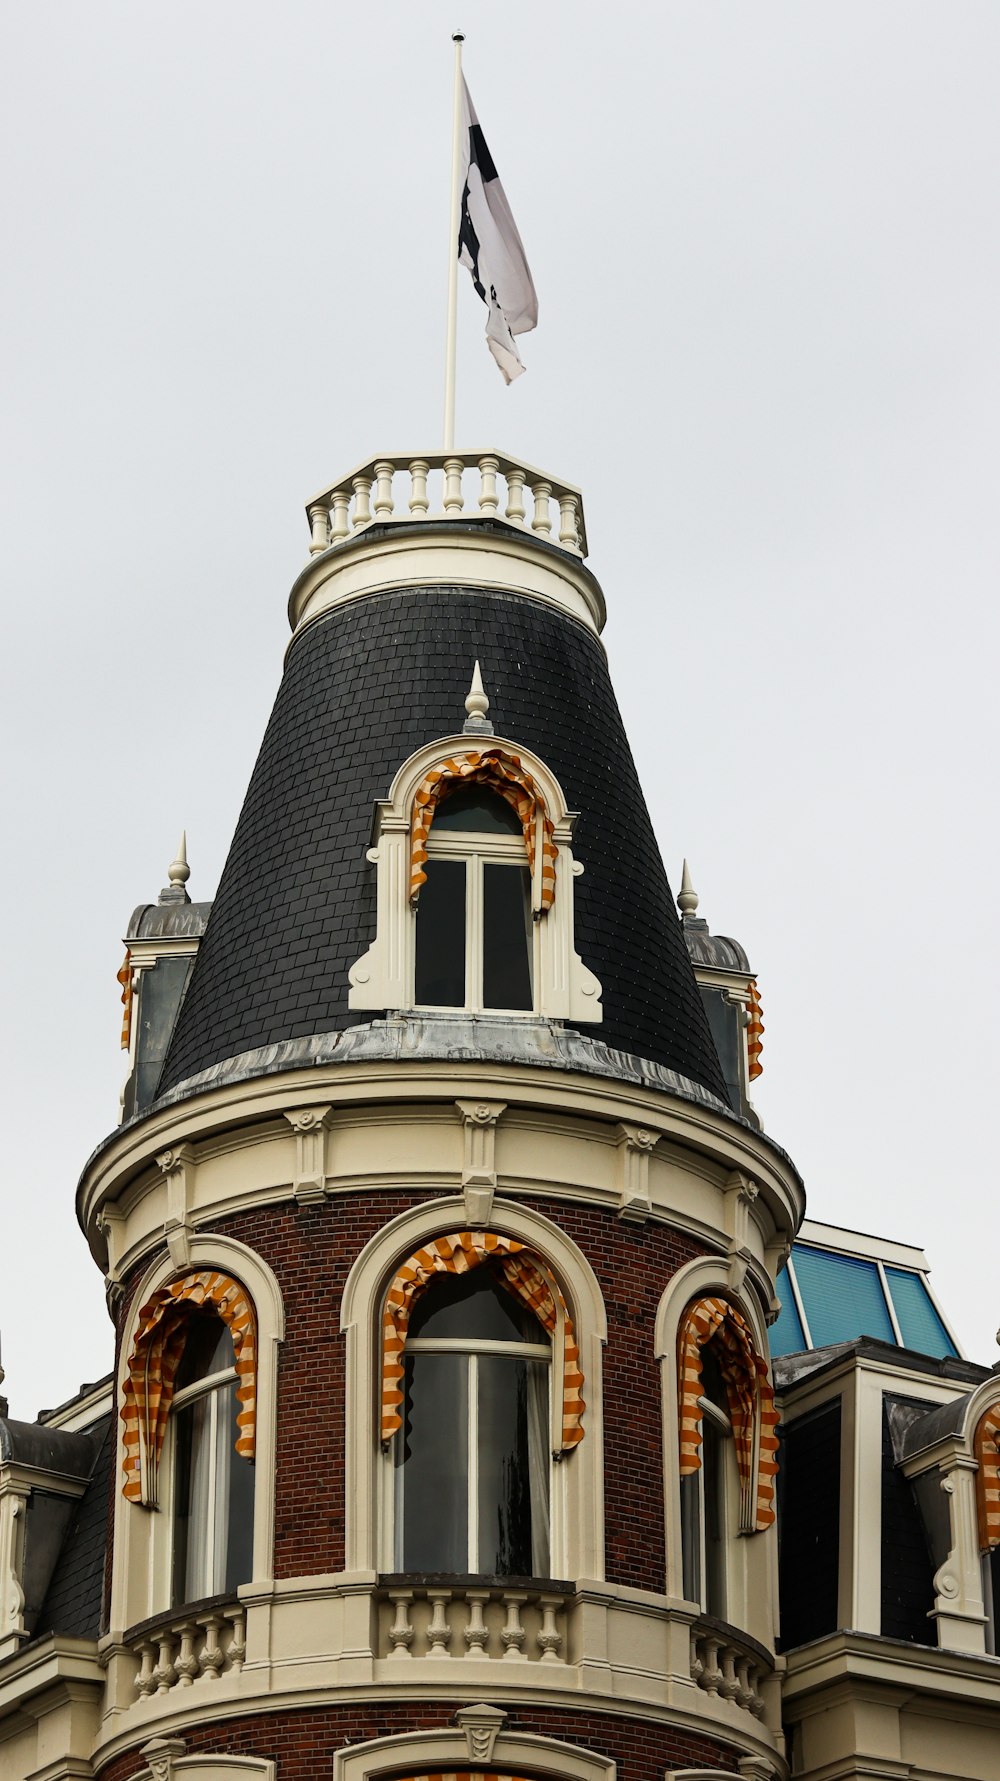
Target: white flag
(490, 246)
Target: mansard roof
(365, 686)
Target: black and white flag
(490, 246)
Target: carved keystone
(479, 1177)
(309, 1125)
(178, 1168)
(635, 1147)
(482, 1726)
(161, 1754)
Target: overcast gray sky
(765, 244)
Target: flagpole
(458, 38)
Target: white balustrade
(722, 1667)
(346, 508)
(194, 1647)
(463, 1621)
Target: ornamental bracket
(479, 1173)
(310, 1126)
(635, 1147)
(482, 1725)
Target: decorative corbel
(635, 1147)
(309, 1125)
(178, 1166)
(479, 1176)
(111, 1224)
(756, 1768)
(958, 1590)
(161, 1754)
(13, 1504)
(482, 1726)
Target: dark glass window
(474, 810)
(506, 937)
(704, 1523)
(440, 976)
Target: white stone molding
(577, 1481)
(161, 1755)
(751, 1562)
(310, 1127)
(140, 1579)
(13, 1509)
(958, 1589)
(482, 1726)
(755, 1768)
(167, 1761)
(383, 977)
(479, 1175)
(635, 1147)
(446, 1751)
(177, 1166)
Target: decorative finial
(687, 902)
(178, 873)
(477, 705)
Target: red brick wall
(303, 1743)
(311, 1250)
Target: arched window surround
(578, 1494)
(512, 1752)
(383, 977)
(750, 1563)
(141, 1574)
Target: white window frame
(383, 978)
(471, 1347)
(476, 850)
(212, 1386)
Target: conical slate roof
(364, 687)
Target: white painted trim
(141, 1537)
(217, 1768)
(577, 1506)
(798, 1300)
(448, 1751)
(859, 1243)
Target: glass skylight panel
(919, 1322)
(787, 1335)
(842, 1296)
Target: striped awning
(750, 1400)
(986, 1446)
(124, 977)
(755, 1031)
(161, 1332)
(504, 774)
(527, 1278)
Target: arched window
(472, 1454)
(707, 1496)
(211, 1495)
(474, 930)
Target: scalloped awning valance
(986, 1446)
(504, 773)
(750, 1399)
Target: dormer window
(474, 943)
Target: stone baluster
(383, 489)
(758, 1705)
(550, 1639)
(514, 510)
(569, 531)
(512, 1635)
(145, 1681)
(745, 1691)
(541, 520)
(488, 468)
(319, 521)
(187, 1665)
(238, 1643)
(341, 506)
(418, 487)
(453, 468)
(362, 486)
(697, 1663)
(711, 1676)
(164, 1675)
(212, 1654)
(475, 1634)
(729, 1686)
(439, 1632)
(401, 1632)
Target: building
(445, 1254)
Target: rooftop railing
(405, 490)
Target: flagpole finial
(458, 37)
(477, 705)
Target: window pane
(920, 1324)
(714, 1454)
(240, 1476)
(842, 1295)
(194, 1572)
(506, 937)
(475, 811)
(208, 1348)
(474, 1305)
(691, 1535)
(440, 979)
(432, 1464)
(507, 1503)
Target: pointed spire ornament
(477, 705)
(178, 873)
(687, 902)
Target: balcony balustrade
(477, 1619)
(189, 1647)
(735, 1670)
(400, 490)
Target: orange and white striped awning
(504, 773)
(161, 1332)
(755, 1031)
(986, 1446)
(526, 1276)
(124, 977)
(750, 1399)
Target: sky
(764, 241)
